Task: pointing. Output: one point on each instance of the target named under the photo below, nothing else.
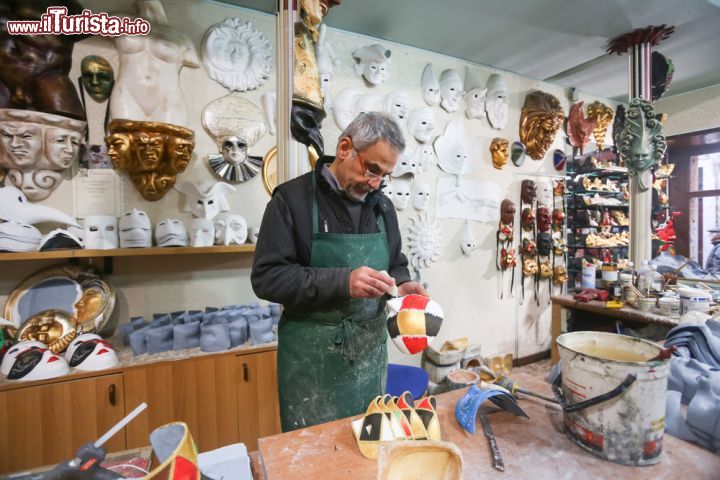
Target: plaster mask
(507, 212)
(151, 153)
(37, 364)
(455, 149)
(206, 199)
(19, 237)
(424, 156)
(528, 192)
(170, 233)
(602, 115)
(451, 89)
(420, 194)
(517, 153)
(540, 119)
(100, 232)
(579, 128)
(499, 149)
(467, 241)
(397, 106)
(202, 232)
(253, 234)
(92, 355)
(543, 219)
(497, 102)
(387, 189)
(326, 61)
(14, 351)
(406, 164)
(642, 143)
(544, 193)
(401, 193)
(135, 230)
(413, 322)
(475, 94)
(421, 124)
(14, 205)
(372, 63)
(430, 86)
(230, 229)
(97, 77)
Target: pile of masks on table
(213, 330)
(695, 381)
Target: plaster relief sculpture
(230, 229)
(236, 125)
(151, 153)
(202, 232)
(467, 199)
(401, 189)
(372, 62)
(497, 102)
(97, 77)
(423, 240)
(397, 106)
(642, 143)
(135, 230)
(148, 80)
(430, 86)
(499, 149)
(475, 94)
(468, 244)
(170, 233)
(540, 119)
(36, 148)
(205, 199)
(236, 55)
(269, 105)
(456, 151)
(100, 232)
(420, 194)
(602, 115)
(451, 89)
(421, 124)
(19, 237)
(14, 205)
(326, 61)
(579, 128)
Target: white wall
(467, 288)
(691, 111)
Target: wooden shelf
(126, 252)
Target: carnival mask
(420, 194)
(430, 86)
(92, 354)
(397, 106)
(560, 275)
(54, 328)
(421, 124)
(517, 154)
(602, 115)
(499, 151)
(135, 230)
(527, 219)
(467, 241)
(507, 212)
(544, 243)
(202, 232)
(19, 237)
(579, 128)
(97, 77)
(37, 364)
(170, 233)
(507, 258)
(558, 218)
(540, 119)
(497, 102)
(204, 200)
(529, 248)
(230, 229)
(405, 165)
(546, 270)
(10, 356)
(528, 192)
(642, 144)
(100, 232)
(559, 247)
(543, 219)
(451, 89)
(401, 194)
(372, 63)
(413, 322)
(530, 267)
(475, 95)
(558, 188)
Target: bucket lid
(695, 292)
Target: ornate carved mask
(529, 249)
(530, 267)
(528, 191)
(507, 258)
(544, 243)
(546, 270)
(602, 115)
(579, 128)
(527, 219)
(507, 212)
(499, 148)
(151, 153)
(643, 144)
(540, 119)
(543, 219)
(559, 247)
(560, 274)
(558, 218)
(97, 77)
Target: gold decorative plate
(269, 168)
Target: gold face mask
(560, 275)
(530, 267)
(546, 270)
(54, 328)
(540, 119)
(499, 151)
(602, 115)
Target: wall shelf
(126, 252)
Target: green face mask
(642, 143)
(97, 77)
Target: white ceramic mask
(497, 102)
(451, 89)
(387, 189)
(430, 86)
(544, 194)
(253, 233)
(135, 230)
(475, 94)
(14, 351)
(397, 105)
(421, 124)
(372, 63)
(424, 156)
(467, 241)
(420, 194)
(170, 233)
(14, 205)
(406, 164)
(19, 237)
(100, 232)
(205, 200)
(401, 193)
(230, 229)
(202, 232)
(37, 364)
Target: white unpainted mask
(253, 234)
(475, 103)
(544, 194)
(451, 90)
(467, 240)
(372, 63)
(230, 229)
(100, 232)
(14, 205)
(497, 102)
(420, 194)
(430, 86)
(424, 156)
(397, 105)
(421, 124)
(406, 164)
(205, 200)
(135, 230)
(19, 237)
(401, 193)
(387, 189)
(202, 232)
(170, 233)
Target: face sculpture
(62, 146)
(22, 144)
(451, 90)
(54, 328)
(204, 200)
(397, 105)
(543, 219)
(528, 192)
(475, 95)
(401, 194)
(372, 63)
(497, 102)
(507, 212)
(499, 150)
(579, 128)
(602, 115)
(468, 244)
(170, 233)
(202, 232)
(540, 119)
(420, 194)
(642, 143)
(234, 150)
(421, 124)
(100, 232)
(135, 230)
(97, 77)
(230, 229)
(430, 86)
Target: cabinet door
(258, 407)
(45, 424)
(200, 392)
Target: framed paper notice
(96, 191)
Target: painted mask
(97, 77)
(430, 86)
(560, 275)
(543, 219)
(100, 232)
(10, 356)
(559, 247)
(91, 355)
(530, 267)
(151, 153)
(579, 128)
(401, 193)
(468, 244)
(517, 154)
(202, 232)
(528, 192)
(420, 194)
(558, 219)
(499, 151)
(558, 188)
(618, 126)
(559, 160)
(37, 364)
(602, 115)
(397, 105)
(642, 144)
(544, 243)
(372, 63)
(413, 322)
(546, 270)
(507, 212)
(405, 165)
(19, 237)
(170, 233)
(540, 119)
(527, 220)
(497, 102)
(451, 90)
(206, 199)
(475, 95)
(135, 230)
(76, 343)
(507, 258)
(230, 229)
(529, 249)
(421, 124)
(54, 328)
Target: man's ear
(344, 148)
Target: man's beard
(353, 194)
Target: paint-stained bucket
(620, 394)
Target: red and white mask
(413, 322)
(37, 363)
(16, 350)
(93, 354)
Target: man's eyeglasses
(368, 170)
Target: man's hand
(409, 288)
(368, 283)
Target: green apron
(333, 361)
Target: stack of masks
(214, 330)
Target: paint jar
(609, 274)
(588, 276)
(694, 299)
(669, 307)
(646, 304)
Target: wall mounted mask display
(100, 232)
(135, 230)
(559, 160)
(147, 86)
(578, 127)
(517, 153)
(202, 232)
(528, 191)
(430, 86)
(527, 236)
(171, 233)
(326, 62)
(372, 62)
(424, 156)
(642, 143)
(540, 119)
(204, 199)
(505, 254)
(36, 148)
(456, 151)
(230, 229)
(451, 89)
(19, 237)
(475, 94)
(406, 165)
(14, 205)
(397, 106)
(151, 153)
(421, 124)
(499, 150)
(420, 194)
(401, 192)
(236, 125)
(236, 55)
(468, 244)
(54, 328)
(497, 102)
(602, 115)
(423, 241)
(618, 125)
(97, 77)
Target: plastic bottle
(656, 279)
(643, 278)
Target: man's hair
(369, 128)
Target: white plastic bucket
(588, 276)
(694, 299)
(628, 428)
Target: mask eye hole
(93, 229)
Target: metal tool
(514, 388)
(497, 459)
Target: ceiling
(559, 41)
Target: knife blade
(497, 459)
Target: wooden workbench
(531, 449)
(560, 302)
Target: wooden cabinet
(257, 394)
(45, 424)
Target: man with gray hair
(327, 240)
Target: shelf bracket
(108, 265)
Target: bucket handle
(629, 380)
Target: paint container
(627, 427)
(609, 274)
(646, 304)
(588, 276)
(669, 307)
(694, 299)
